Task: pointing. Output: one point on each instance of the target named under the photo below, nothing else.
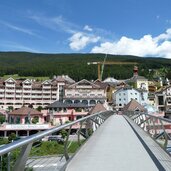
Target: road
(47, 163)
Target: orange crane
(99, 64)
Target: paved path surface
(114, 146)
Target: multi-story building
(61, 112)
(85, 92)
(125, 94)
(16, 93)
(163, 99)
(137, 81)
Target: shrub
(35, 120)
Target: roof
(135, 78)
(133, 105)
(102, 85)
(110, 80)
(67, 105)
(130, 88)
(64, 78)
(84, 82)
(24, 111)
(97, 108)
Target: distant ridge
(74, 65)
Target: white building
(85, 92)
(125, 94)
(16, 93)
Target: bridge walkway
(119, 144)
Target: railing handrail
(157, 117)
(19, 143)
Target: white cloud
(19, 29)
(80, 40)
(55, 23)
(145, 46)
(88, 28)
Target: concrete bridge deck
(119, 144)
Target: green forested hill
(75, 65)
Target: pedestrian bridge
(120, 142)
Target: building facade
(85, 92)
(163, 99)
(16, 93)
(137, 81)
(125, 94)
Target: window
(78, 117)
(119, 99)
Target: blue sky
(82, 26)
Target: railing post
(79, 143)
(165, 135)
(22, 159)
(1, 163)
(65, 145)
(89, 124)
(8, 161)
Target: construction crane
(102, 63)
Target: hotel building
(16, 93)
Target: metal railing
(88, 122)
(157, 127)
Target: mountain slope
(74, 65)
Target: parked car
(59, 139)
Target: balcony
(27, 91)
(9, 85)
(10, 95)
(26, 96)
(36, 96)
(27, 86)
(54, 91)
(18, 90)
(46, 87)
(2, 95)
(37, 91)
(46, 91)
(10, 90)
(18, 96)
